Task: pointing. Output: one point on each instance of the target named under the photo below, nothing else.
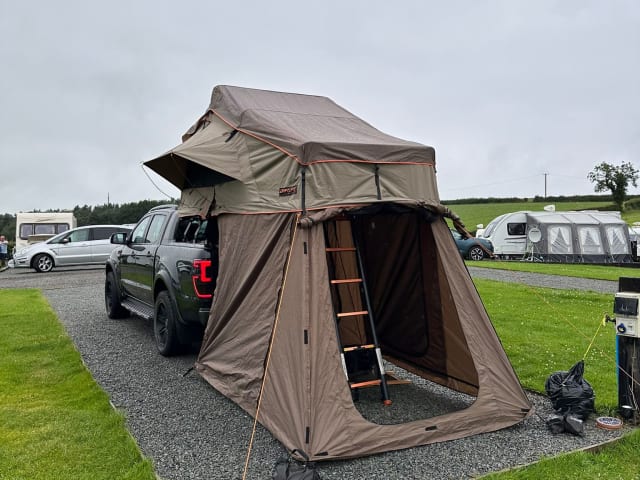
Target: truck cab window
(137, 236)
(155, 229)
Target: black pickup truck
(164, 270)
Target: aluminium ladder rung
(352, 314)
(358, 347)
(368, 383)
(346, 280)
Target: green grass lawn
(55, 421)
(544, 330)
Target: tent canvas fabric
(287, 176)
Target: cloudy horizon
(509, 94)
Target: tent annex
(335, 263)
(566, 237)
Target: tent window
(617, 241)
(559, 239)
(590, 241)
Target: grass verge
(544, 330)
(617, 461)
(56, 422)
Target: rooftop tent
(305, 193)
(273, 143)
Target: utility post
(545, 184)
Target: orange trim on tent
(328, 160)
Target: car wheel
(476, 253)
(112, 298)
(165, 326)
(43, 263)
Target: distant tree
(8, 226)
(83, 215)
(614, 178)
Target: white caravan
(33, 227)
(567, 237)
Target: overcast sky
(506, 91)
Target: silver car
(90, 245)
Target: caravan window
(27, 229)
(516, 228)
(490, 228)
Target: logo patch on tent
(287, 191)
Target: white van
(33, 227)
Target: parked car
(90, 245)
(472, 248)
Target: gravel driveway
(190, 431)
(541, 280)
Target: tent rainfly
(333, 253)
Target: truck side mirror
(119, 238)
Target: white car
(90, 245)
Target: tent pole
(303, 194)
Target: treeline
(114, 213)
(87, 215)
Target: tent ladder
(353, 351)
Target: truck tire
(112, 300)
(165, 325)
(43, 263)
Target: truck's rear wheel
(165, 326)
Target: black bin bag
(570, 393)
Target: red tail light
(201, 277)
